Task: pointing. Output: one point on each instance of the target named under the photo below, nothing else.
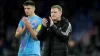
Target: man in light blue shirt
(27, 29)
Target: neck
(31, 15)
(55, 21)
(59, 19)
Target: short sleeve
(39, 24)
(21, 24)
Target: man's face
(29, 10)
(55, 14)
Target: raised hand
(44, 22)
(51, 21)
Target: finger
(50, 18)
(44, 20)
(25, 19)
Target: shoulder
(38, 17)
(21, 21)
(64, 20)
(67, 22)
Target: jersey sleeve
(39, 24)
(21, 24)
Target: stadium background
(84, 16)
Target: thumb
(50, 18)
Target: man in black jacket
(55, 34)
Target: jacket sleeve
(62, 33)
(42, 33)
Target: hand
(24, 19)
(26, 22)
(44, 22)
(24, 27)
(51, 21)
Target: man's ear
(60, 13)
(34, 8)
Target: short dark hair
(29, 2)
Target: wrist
(51, 24)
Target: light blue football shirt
(28, 45)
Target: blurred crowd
(84, 17)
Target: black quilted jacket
(55, 38)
